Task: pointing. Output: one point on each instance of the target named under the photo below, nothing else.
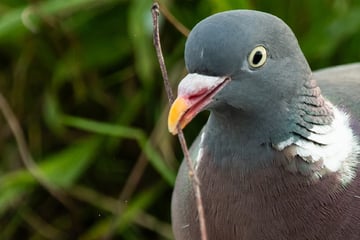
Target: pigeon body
(279, 155)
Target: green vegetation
(82, 79)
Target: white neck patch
(340, 151)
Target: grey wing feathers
(341, 85)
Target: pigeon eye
(257, 57)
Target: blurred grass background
(83, 81)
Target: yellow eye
(257, 57)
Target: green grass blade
(123, 132)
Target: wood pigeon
(278, 158)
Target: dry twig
(193, 176)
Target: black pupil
(257, 57)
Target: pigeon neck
(240, 138)
(312, 115)
(321, 140)
(314, 136)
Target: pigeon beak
(195, 92)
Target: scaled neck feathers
(322, 140)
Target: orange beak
(195, 92)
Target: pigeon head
(257, 51)
(246, 64)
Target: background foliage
(83, 81)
